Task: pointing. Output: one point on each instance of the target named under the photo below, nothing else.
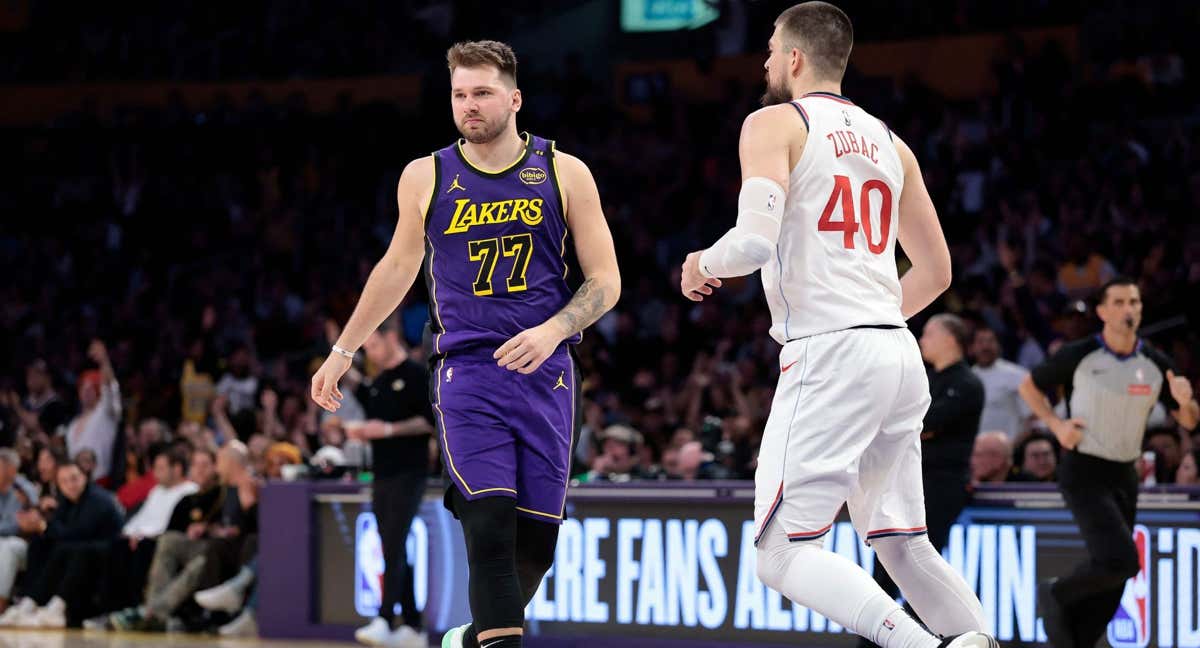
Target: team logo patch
(1130, 627)
(398, 384)
(532, 175)
(771, 202)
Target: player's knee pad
(489, 528)
(535, 547)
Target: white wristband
(342, 352)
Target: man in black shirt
(949, 435)
(399, 425)
(1110, 382)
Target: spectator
(239, 386)
(132, 553)
(991, 459)
(65, 555)
(279, 455)
(42, 412)
(143, 448)
(86, 458)
(47, 465)
(1187, 475)
(1168, 453)
(233, 537)
(1037, 458)
(618, 456)
(96, 425)
(12, 546)
(179, 554)
(1003, 407)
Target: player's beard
(775, 94)
(490, 131)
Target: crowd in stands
(174, 276)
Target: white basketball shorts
(845, 427)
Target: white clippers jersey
(835, 265)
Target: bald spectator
(991, 458)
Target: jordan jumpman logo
(455, 185)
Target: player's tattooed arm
(584, 309)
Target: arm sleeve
(749, 245)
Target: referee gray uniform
(1113, 394)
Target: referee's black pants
(395, 501)
(1102, 496)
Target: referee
(1110, 383)
(399, 424)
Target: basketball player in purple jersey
(490, 215)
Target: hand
(1069, 432)
(133, 542)
(1181, 388)
(196, 530)
(527, 350)
(47, 504)
(325, 390)
(29, 521)
(98, 352)
(693, 283)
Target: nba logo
(1130, 628)
(368, 565)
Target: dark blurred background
(204, 186)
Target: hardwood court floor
(77, 639)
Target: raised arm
(921, 237)
(597, 256)
(388, 282)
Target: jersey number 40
(848, 226)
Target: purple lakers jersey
(495, 245)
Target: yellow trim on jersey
(562, 205)
(446, 443)
(553, 517)
(515, 164)
(437, 316)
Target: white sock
(938, 594)
(837, 589)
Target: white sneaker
(374, 633)
(53, 615)
(16, 611)
(406, 637)
(454, 637)
(970, 640)
(222, 598)
(244, 625)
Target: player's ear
(516, 100)
(797, 63)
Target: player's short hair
(484, 53)
(956, 327)
(823, 32)
(1102, 293)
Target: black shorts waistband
(881, 327)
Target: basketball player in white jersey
(826, 192)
